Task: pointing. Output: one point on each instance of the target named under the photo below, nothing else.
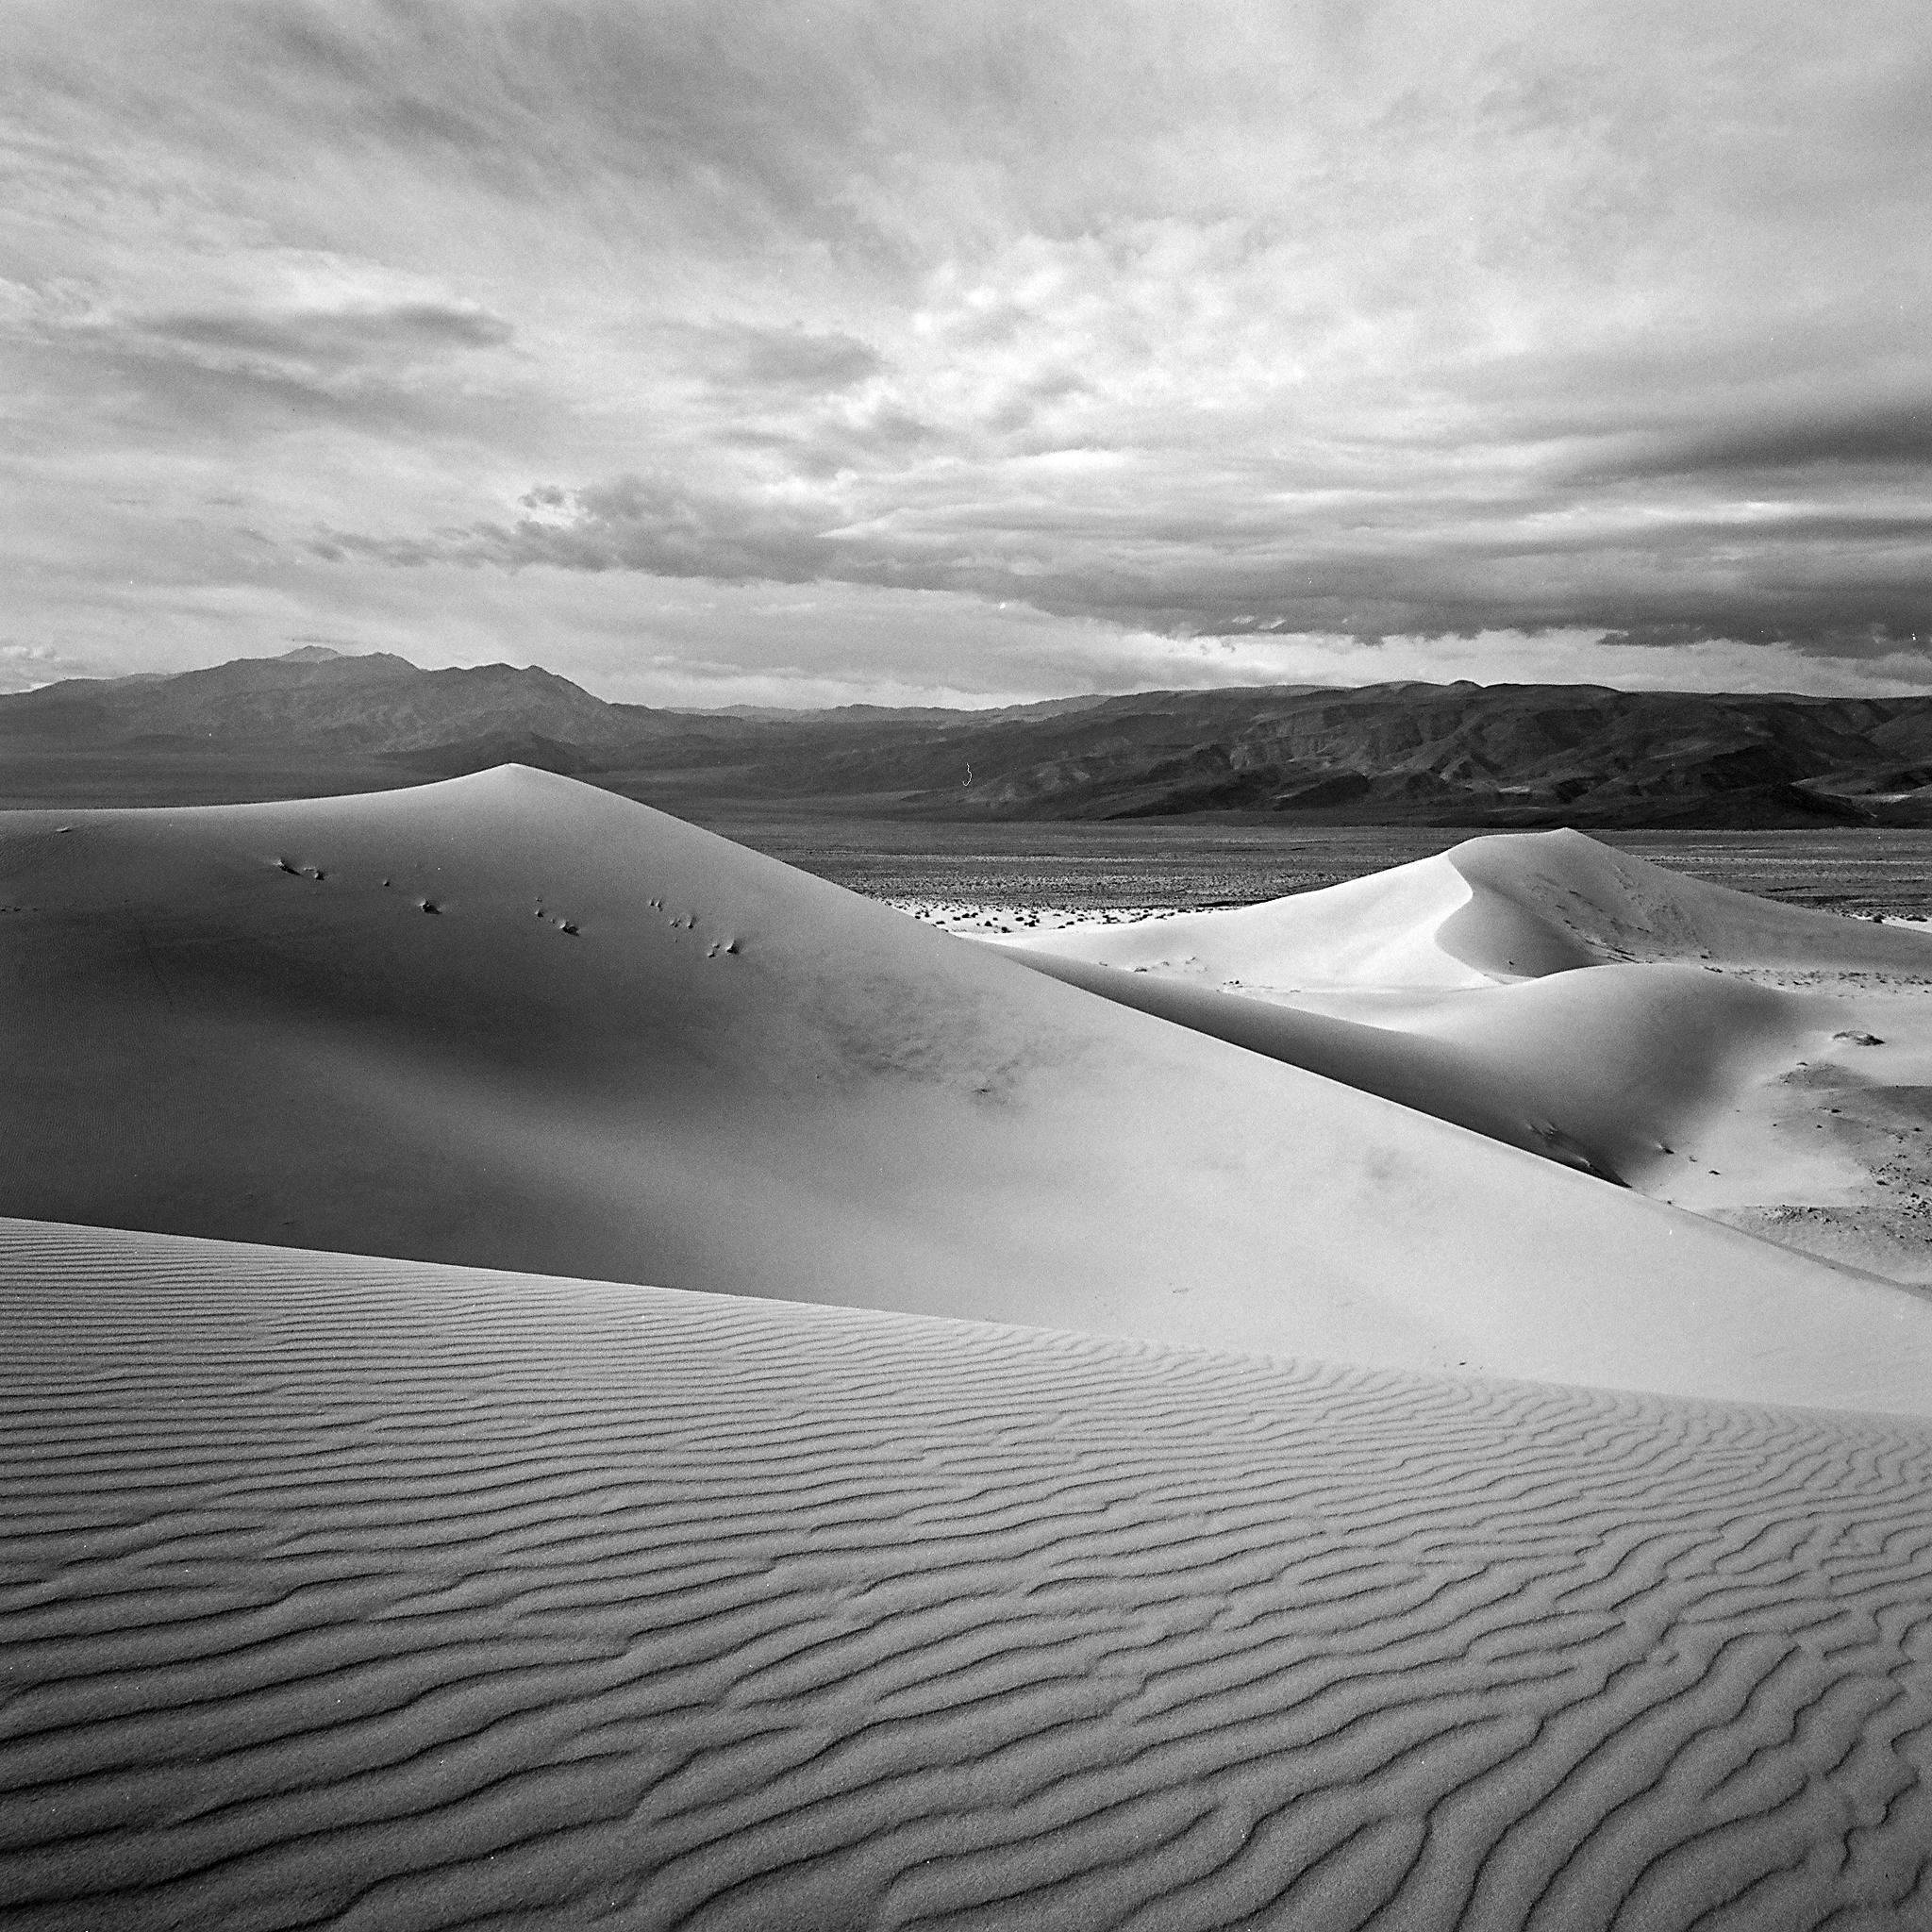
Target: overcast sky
(911, 352)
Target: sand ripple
(390, 1595)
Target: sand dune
(386, 1595)
(622, 1047)
(1507, 906)
(1600, 1075)
(1762, 1064)
(389, 1593)
(1569, 891)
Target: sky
(969, 352)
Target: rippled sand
(654, 1392)
(365, 1593)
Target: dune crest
(1602, 1075)
(1610, 906)
(1764, 1065)
(1384, 930)
(1495, 908)
(847, 1108)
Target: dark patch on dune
(878, 1025)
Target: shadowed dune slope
(1598, 1072)
(1456, 985)
(1607, 905)
(622, 1047)
(376, 1594)
(1382, 930)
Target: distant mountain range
(1521, 755)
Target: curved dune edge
(1501, 906)
(388, 1595)
(1571, 895)
(1384, 930)
(1598, 1073)
(625, 1049)
(1763, 1065)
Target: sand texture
(1760, 1064)
(360, 1593)
(513, 1020)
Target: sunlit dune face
(512, 1019)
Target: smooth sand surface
(1509, 906)
(621, 1047)
(1597, 1073)
(374, 1594)
(1762, 1064)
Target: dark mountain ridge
(316, 699)
(1405, 753)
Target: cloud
(651, 524)
(792, 358)
(1886, 433)
(233, 345)
(1834, 580)
(26, 667)
(319, 340)
(1349, 322)
(357, 358)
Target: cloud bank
(1371, 322)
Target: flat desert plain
(558, 1371)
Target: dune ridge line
(734, 1076)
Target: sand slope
(1760, 1063)
(623, 1047)
(1506, 907)
(1598, 1073)
(372, 1594)
(1573, 894)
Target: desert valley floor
(558, 1371)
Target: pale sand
(1508, 906)
(627, 1049)
(374, 1594)
(380, 1594)
(1764, 1065)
